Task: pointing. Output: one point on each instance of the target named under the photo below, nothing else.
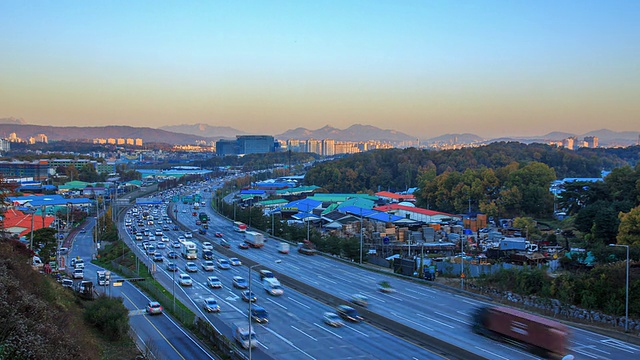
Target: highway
(433, 311)
(295, 329)
(158, 335)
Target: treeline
(251, 162)
(500, 179)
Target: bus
(239, 227)
(203, 217)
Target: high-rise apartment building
(592, 141)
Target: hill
(355, 132)
(218, 132)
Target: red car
(219, 234)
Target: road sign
(117, 284)
(385, 240)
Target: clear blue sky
(425, 68)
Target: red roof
(391, 195)
(390, 207)
(16, 218)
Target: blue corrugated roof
(382, 216)
(355, 210)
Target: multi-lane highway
(158, 336)
(296, 330)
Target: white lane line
(585, 353)
(434, 320)
(304, 333)
(287, 341)
(519, 352)
(327, 280)
(327, 330)
(418, 292)
(452, 318)
(359, 332)
(282, 306)
(298, 302)
(411, 296)
(411, 321)
(462, 313)
(617, 344)
(489, 352)
(397, 298)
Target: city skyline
(489, 68)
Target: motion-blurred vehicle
(348, 313)
(211, 305)
(332, 319)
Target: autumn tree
(629, 229)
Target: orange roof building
(18, 223)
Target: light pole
(626, 302)
(174, 290)
(33, 216)
(361, 234)
(249, 309)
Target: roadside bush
(109, 316)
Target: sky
(425, 68)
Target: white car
(207, 265)
(78, 274)
(181, 239)
(185, 280)
(214, 282)
(207, 246)
(164, 238)
(235, 261)
(188, 234)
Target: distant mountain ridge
(355, 132)
(225, 132)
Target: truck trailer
(283, 247)
(539, 335)
(254, 239)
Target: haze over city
(424, 68)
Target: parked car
(211, 305)
(240, 283)
(185, 280)
(214, 282)
(332, 319)
(154, 308)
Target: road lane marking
(358, 331)
(327, 330)
(617, 344)
(452, 318)
(489, 352)
(327, 280)
(304, 333)
(287, 341)
(434, 320)
(411, 321)
(298, 302)
(282, 306)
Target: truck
(254, 239)
(239, 226)
(84, 289)
(307, 248)
(189, 250)
(542, 336)
(283, 247)
(272, 286)
(241, 335)
(203, 217)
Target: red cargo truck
(540, 335)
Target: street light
(32, 211)
(249, 310)
(626, 303)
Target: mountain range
(190, 134)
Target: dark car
(157, 257)
(249, 296)
(172, 267)
(172, 255)
(207, 254)
(243, 246)
(348, 313)
(259, 314)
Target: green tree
(110, 316)
(629, 229)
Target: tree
(629, 229)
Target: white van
(78, 274)
(241, 334)
(272, 286)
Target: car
(161, 245)
(172, 255)
(182, 239)
(190, 266)
(157, 257)
(360, 300)
(184, 210)
(243, 246)
(202, 231)
(67, 283)
(219, 234)
(164, 238)
(224, 264)
(83, 230)
(188, 234)
(235, 261)
(198, 222)
(214, 282)
(207, 246)
(240, 283)
(211, 305)
(224, 243)
(332, 319)
(78, 274)
(185, 280)
(249, 296)
(172, 267)
(207, 255)
(259, 314)
(176, 245)
(348, 313)
(207, 265)
(175, 227)
(154, 308)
